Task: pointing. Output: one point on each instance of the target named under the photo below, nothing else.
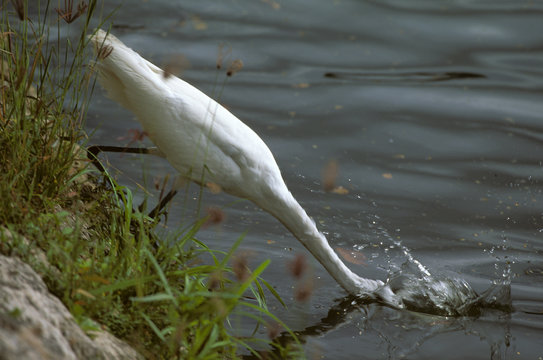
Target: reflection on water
(433, 112)
(404, 333)
(403, 77)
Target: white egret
(205, 142)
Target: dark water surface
(433, 111)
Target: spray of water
(422, 291)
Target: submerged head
(431, 295)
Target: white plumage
(205, 142)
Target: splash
(431, 295)
(445, 296)
(422, 292)
(414, 286)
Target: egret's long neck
(293, 216)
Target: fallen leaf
(352, 256)
(387, 176)
(214, 188)
(274, 4)
(198, 23)
(340, 190)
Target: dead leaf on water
(214, 188)
(198, 23)
(352, 256)
(274, 4)
(340, 190)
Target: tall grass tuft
(98, 254)
(44, 94)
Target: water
(433, 112)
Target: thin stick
(93, 151)
(163, 202)
(92, 155)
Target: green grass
(103, 259)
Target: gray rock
(34, 324)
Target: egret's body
(205, 142)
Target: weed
(97, 253)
